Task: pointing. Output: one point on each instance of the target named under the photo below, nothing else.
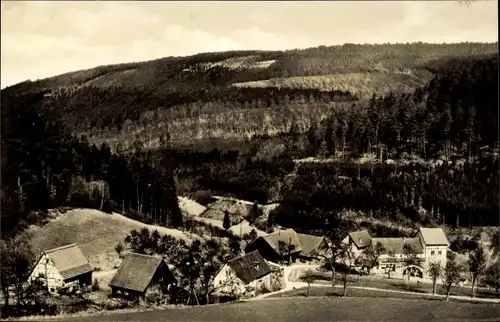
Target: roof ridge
(244, 255)
(283, 230)
(144, 255)
(60, 248)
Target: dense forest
(42, 168)
(130, 137)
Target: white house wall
(436, 254)
(47, 273)
(234, 285)
(357, 252)
(231, 284)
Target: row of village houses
(140, 275)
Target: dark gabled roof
(287, 236)
(360, 238)
(309, 243)
(136, 272)
(396, 245)
(434, 236)
(69, 261)
(249, 267)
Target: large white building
(428, 245)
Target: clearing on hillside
(363, 85)
(95, 232)
(190, 207)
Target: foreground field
(317, 309)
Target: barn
(62, 267)
(140, 275)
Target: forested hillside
(194, 97)
(42, 168)
(129, 137)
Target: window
(432, 252)
(439, 252)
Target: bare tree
(410, 260)
(349, 258)
(477, 266)
(372, 253)
(309, 277)
(451, 276)
(435, 272)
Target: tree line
(43, 168)
(456, 113)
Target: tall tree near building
(477, 266)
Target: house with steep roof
(62, 267)
(140, 275)
(313, 247)
(278, 246)
(286, 244)
(245, 275)
(359, 241)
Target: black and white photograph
(249, 161)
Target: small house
(313, 247)
(278, 246)
(359, 241)
(62, 267)
(140, 275)
(243, 276)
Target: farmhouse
(428, 245)
(312, 247)
(243, 276)
(62, 267)
(278, 246)
(288, 244)
(140, 275)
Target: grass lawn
(400, 285)
(317, 309)
(354, 292)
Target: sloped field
(95, 232)
(363, 85)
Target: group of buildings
(429, 245)
(140, 275)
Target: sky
(41, 39)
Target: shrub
(95, 286)
(203, 197)
(153, 299)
